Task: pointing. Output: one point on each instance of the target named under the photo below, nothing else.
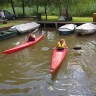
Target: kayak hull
(57, 58)
(23, 45)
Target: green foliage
(84, 10)
(53, 7)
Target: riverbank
(44, 24)
(51, 22)
(58, 24)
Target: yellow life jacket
(61, 45)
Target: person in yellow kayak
(31, 37)
(61, 44)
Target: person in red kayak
(31, 37)
(61, 44)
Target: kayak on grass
(57, 58)
(22, 46)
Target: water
(27, 72)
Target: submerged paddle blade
(77, 48)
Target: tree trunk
(13, 7)
(23, 8)
(67, 13)
(45, 12)
(37, 8)
(60, 10)
(28, 2)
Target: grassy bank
(74, 19)
(50, 18)
(82, 19)
(14, 22)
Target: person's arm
(26, 38)
(34, 36)
(65, 46)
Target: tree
(4, 2)
(42, 3)
(37, 4)
(69, 3)
(13, 7)
(23, 7)
(58, 4)
(46, 4)
(66, 4)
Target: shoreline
(52, 24)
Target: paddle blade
(77, 48)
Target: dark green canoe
(7, 34)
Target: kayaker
(31, 37)
(61, 44)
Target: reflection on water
(49, 79)
(27, 72)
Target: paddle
(77, 48)
(47, 48)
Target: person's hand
(66, 47)
(54, 47)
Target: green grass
(13, 22)
(74, 19)
(50, 18)
(82, 19)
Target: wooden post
(56, 25)
(94, 17)
(44, 25)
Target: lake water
(27, 72)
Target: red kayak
(57, 58)
(23, 45)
